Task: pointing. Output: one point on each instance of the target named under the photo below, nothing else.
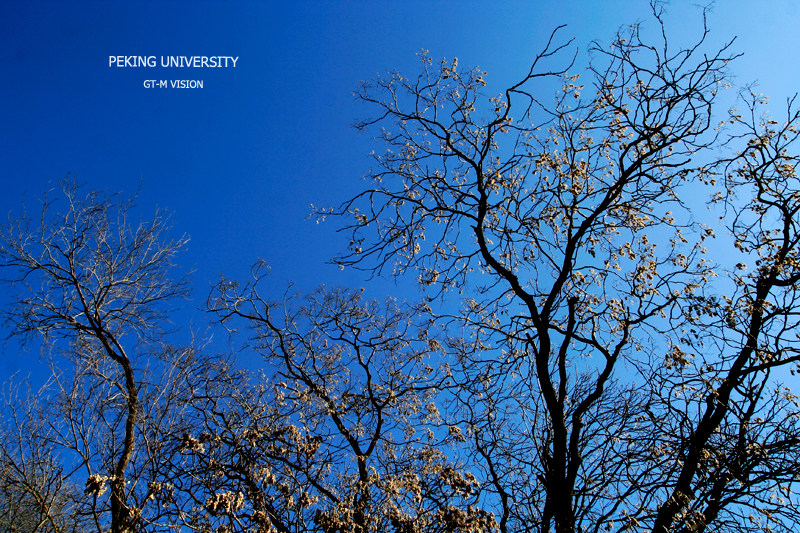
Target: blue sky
(240, 161)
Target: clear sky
(240, 161)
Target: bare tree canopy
(610, 374)
(579, 360)
(96, 287)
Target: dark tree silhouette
(610, 375)
(96, 288)
(609, 314)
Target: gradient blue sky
(240, 161)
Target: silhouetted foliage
(579, 360)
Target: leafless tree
(579, 360)
(610, 376)
(342, 435)
(95, 287)
(36, 494)
(345, 435)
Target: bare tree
(36, 494)
(96, 288)
(578, 361)
(742, 445)
(608, 376)
(345, 435)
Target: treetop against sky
(241, 161)
(596, 367)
